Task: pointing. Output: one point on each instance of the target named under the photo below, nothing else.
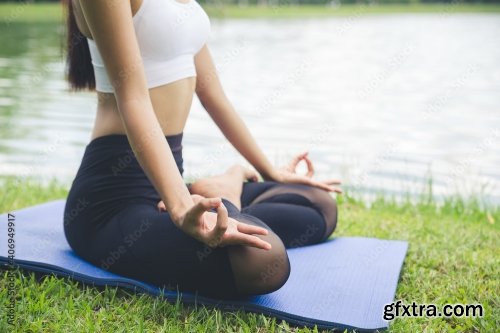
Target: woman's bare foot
(227, 185)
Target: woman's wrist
(178, 211)
(270, 175)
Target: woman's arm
(215, 101)
(111, 25)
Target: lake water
(381, 102)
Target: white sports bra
(169, 34)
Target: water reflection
(380, 101)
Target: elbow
(207, 99)
(210, 92)
(203, 92)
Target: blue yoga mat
(342, 283)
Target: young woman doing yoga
(222, 236)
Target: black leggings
(111, 219)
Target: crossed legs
(294, 214)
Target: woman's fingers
(205, 204)
(310, 167)
(222, 217)
(326, 187)
(251, 229)
(302, 156)
(302, 179)
(332, 181)
(217, 233)
(196, 198)
(244, 239)
(336, 189)
(293, 164)
(161, 206)
(322, 185)
(220, 235)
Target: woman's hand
(217, 229)
(288, 174)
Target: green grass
(12, 12)
(344, 10)
(453, 257)
(26, 12)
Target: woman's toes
(251, 175)
(161, 206)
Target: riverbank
(26, 12)
(452, 258)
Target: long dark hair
(80, 73)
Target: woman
(223, 236)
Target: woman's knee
(258, 271)
(315, 197)
(327, 204)
(274, 270)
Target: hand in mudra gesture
(218, 229)
(288, 174)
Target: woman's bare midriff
(171, 104)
